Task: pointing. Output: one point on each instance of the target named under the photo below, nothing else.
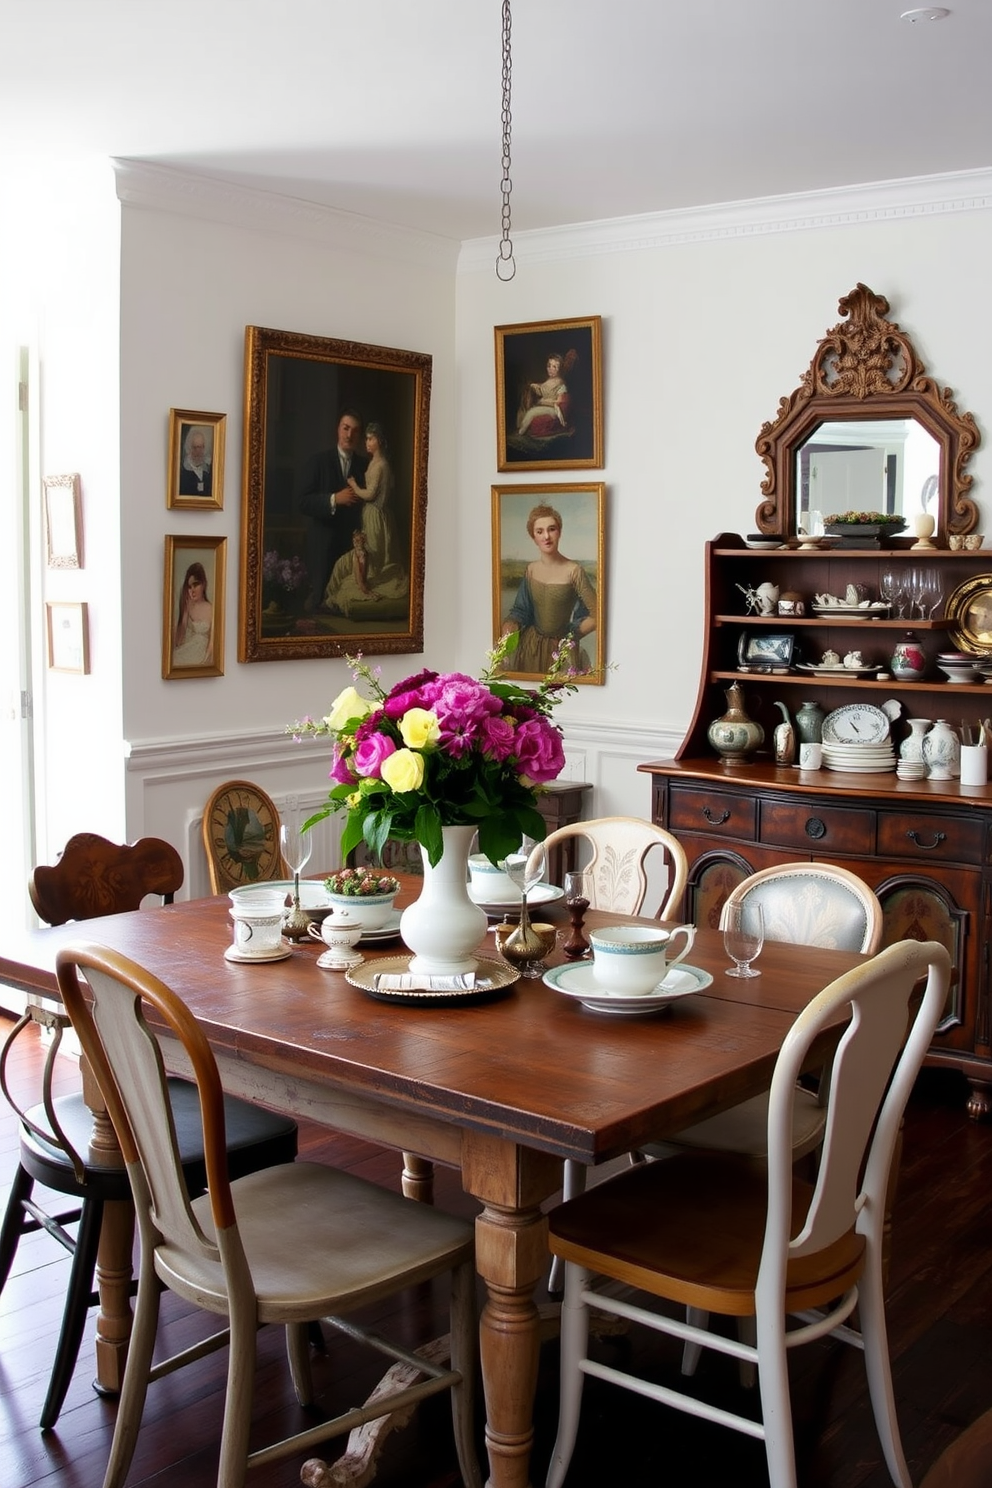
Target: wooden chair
(95, 877)
(619, 849)
(718, 1233)
(292, 1243)
(241, 837)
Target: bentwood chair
(618, 849)
(290, 1244)
(718, 1233)
(95, 877)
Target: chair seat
(672, 1227)
(361, 1243)
(744, 1128)
(254, 1136)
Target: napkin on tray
(411, 981)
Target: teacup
(489, 884)
(258, 925)
(973, 541)
(631, 960)
(372, 911)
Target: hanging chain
(504, 259)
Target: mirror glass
(889, 465)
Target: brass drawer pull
(938, 838)
(715, 821)
(815, 828)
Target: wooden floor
(940, 1316)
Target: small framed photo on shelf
(765, 653)
(549, 395)
(193, 619)
(68, 637)
(196, 460)
(63, 521)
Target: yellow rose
(403, 770)
(347, 705)
(419, 728)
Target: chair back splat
(718, 1233)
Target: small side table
(561, 804)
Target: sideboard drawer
(722, 812)
(817, 829)
(947, 839)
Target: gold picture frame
(63, 521)
(969, 609)
(196, 460)
(188, 648)
(549, 395)
(544, 616)
(332, 561)
(68, 637)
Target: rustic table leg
(418, 1178)
(114, 1262)
(511, 1257)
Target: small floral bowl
(365, 893)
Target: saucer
(542, 893)
(233, 954)
(389, 931)
(578, 979)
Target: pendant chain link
(505, 265)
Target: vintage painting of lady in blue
(548, 577)
(549, 404)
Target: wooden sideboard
(924, 846)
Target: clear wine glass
(888, 587)
(296, 846)
(935, 592)
(743, 937)
(917, 591)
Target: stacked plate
(860, 759)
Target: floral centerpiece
(440, 750)
(361, 883)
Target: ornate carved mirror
(867, 429)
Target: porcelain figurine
(784, 738)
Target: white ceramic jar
(942, 752)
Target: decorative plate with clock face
(241, 836)
(856, 723)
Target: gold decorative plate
(970, 611)
(492, 979)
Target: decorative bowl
(366, 894)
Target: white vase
(942, 751)
(444, 927)
(911, 748)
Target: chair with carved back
(241, 837)
(95, 877)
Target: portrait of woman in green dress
(555, 602)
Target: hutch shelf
(924, 846)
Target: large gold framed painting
(335, 497)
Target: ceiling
(391, 108)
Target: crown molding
(162, 188)
(879, 201)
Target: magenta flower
(341, 772)
(539, 751)
(370, 753)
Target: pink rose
(496, 738)
(370, 753)
(538, 750)
(341, 771)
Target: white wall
(709, 319)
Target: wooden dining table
(502, 1090)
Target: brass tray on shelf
(969, 610)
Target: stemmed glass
(917, 591)
(743, 937)
(888, 587)
(934, 592)
(525, 946)
(296, 846)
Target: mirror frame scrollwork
(866, 367)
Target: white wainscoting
(170, 780)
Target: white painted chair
(285, 1245)
(806, 904)
(716, 1232)
(619, 848)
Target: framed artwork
(549, 395)
(68, 638)
(765, 652)
(335, 497)
(196, 460)
(63, 521)
(549, 576)
(193, 607)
